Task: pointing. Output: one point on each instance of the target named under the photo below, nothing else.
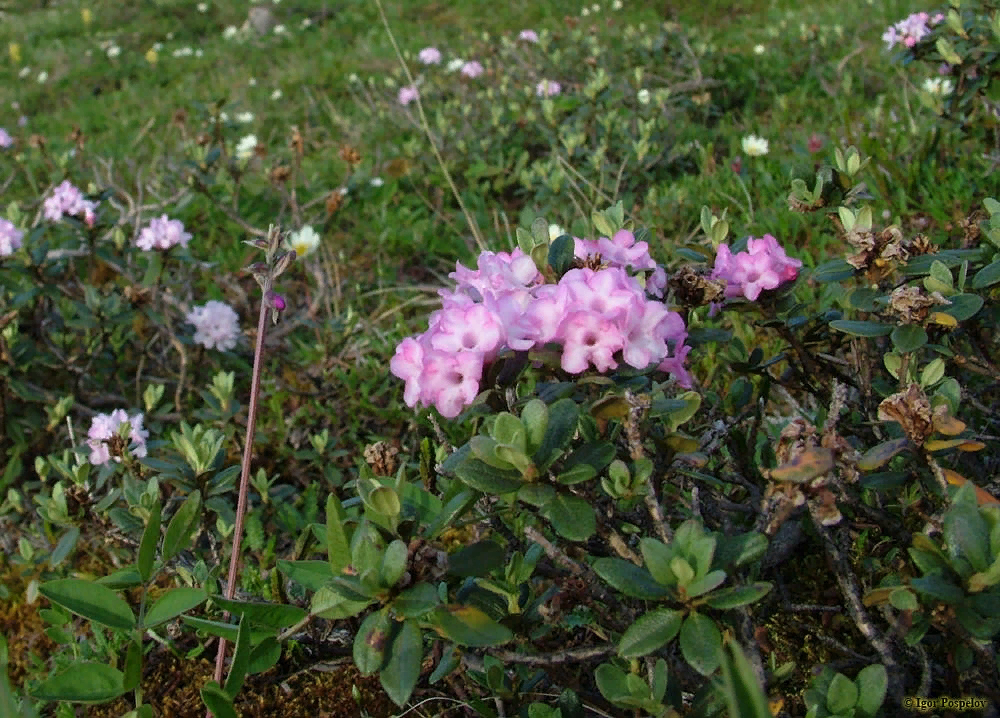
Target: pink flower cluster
(763, 266)
(104, 426)
(430, 56)
(472, 69)
(528, 36)
(67, 199)
(217, 325)
(5, 139)
(623, 251)
(10, 238)
(548, 88)
(911, 30)
(163, 233)
(407, 94)
(594, 315)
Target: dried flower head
(350, 155)
(911, 409)
(692, 289)
(912, 304)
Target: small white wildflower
(306, 22)
(252, 82)
(617, 5)
(25, 71)
(280, 29)
(643, 96)
(199, 52)
(244, 118)
(183, 52)
(202, 7)
(595, 8)
(245, 147)
(114, 51)
(157, 46)
(223, 117)
(353, 77)
(276, 95)
(43, 77)
(754, 146)
(585, 12)
(230, 32)
(376, 181)
(939, 86)
(170, 36)
(555, 231)
(342, 191)
(759, 49)
(455, 65)
(304, 242)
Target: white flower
(585, 12)
(455, 65)
(252, 82)
(617, 5)
(223, 117)
(105, 426)
(25, 71)
(939, 86)
(555, 231)
(306, 22)
(170, 36)
(280, 29)
(643, 96)
(244, 118)
(304, 242)
(199, 52)
(595, 8)
(43, 77)
(217, 325)
(183, 52)
(376, 181)
(759, 49)
(202, 7)
(157, 46)
(755, 146)
(245, 147)
(353, 77)
(230, 32)
(114, 51)
(276, 95)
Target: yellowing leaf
(880, 454)
(945, 320)
(948, 425)
(805, 467)
(942, 444)
(983, 497)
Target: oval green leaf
(701, 643)
(469, 626)
(908, 338)
(737, 596)
(173, 603)
(650, 632)
(83, 682)
(572, 517)
(90, 600)
(399, 677)
(861, 329)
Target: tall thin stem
(241, 504)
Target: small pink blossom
(10, 238)
(5, 139)
(548, 88)
(217, 325)
(764, 266)
(105, 426)
(430, 56)
(528, 36)
(163, 233)
(407, 94)
(815, 143)
(472, 69)
(910, 30)
(68, 200)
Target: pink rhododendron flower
(528, 36)
(407, 94)
(163, 233)
(588, 338)
(67, 199)
(451, 381)
(472, 69)
(5, 139)
(217, 325)
(548, 88)
(105, 426)
(10, 238)
(623, 251)
(763, 266)
(910, 30)
(430, 56)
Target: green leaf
(338, 551)
(67, 542)
(967, 535)
(240, 661)
(861, 329)
(936, 586)
(147, 546)
(740, 549)
(535, 418)
(416, 601)
(596, 454)
(371, 641)
(987, 276)
(908, 338)
(701, 643)
(480, 475)
(90, 600)
(539, 231)
(217, 701)
(226, 630)
(264, 656)
(509, 431)
(536, 494)
(561, 255)
(632, 580)
(478, 559)
(332, 605)
(173, 603)
(872, 682)
(657, 557)
(650, 632)
(394, 563)
(82, 682)
(469, 626)
(880, 454)
(133, 666)
(311, 575)
(572, 517)
(963, 306)
(744, 696)
(835, 270)
(271, 615)
(737, 596)
(182, 526)
(842, 694)
(399, 677)
(576, 475)
(563, 417)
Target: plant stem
(241, 504)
